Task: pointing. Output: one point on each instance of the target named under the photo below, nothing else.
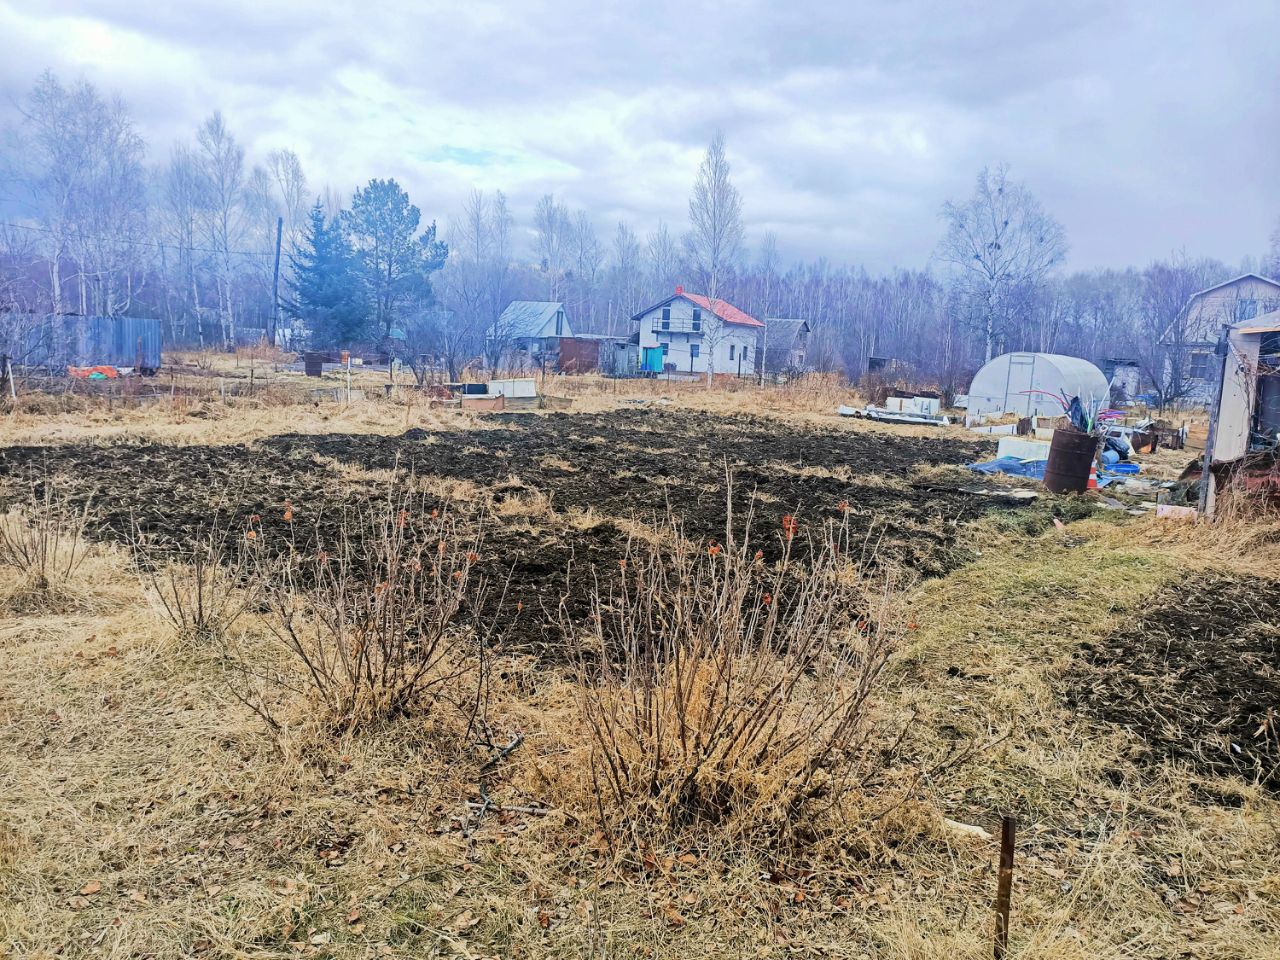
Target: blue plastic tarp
(1026, 468)
(1012, 466)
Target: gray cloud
(1145, 127)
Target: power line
(138, 243)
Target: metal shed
(1021, 383)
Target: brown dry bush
(45, 546)
(730, 693)
(377, 624)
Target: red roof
(725, 310)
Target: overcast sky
(1144, 127)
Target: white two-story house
(685, 334)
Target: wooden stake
(1004, 885)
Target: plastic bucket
(1071, 455)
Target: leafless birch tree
(715, 232)
(999, 241)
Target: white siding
(714, 336)
(1242, 299)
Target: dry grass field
(676, 673)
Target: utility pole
(275, 284)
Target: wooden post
(1004, 885)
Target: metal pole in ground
(1004, 885)
(1220, 352)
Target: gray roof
(1227, 283)
(527, 318)
(783, 332)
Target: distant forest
(95, 221)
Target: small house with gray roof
(532, 327)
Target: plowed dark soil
(1197, 678)
(632, 464)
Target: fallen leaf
(798, 897)
(353, 916)
(464, 921)
(90, 888)
(319, 939)
(673, 915)
(544, 919)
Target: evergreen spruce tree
(328, 289)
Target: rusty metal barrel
(1071, 455)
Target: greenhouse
(1029, 384)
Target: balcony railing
(677, 325)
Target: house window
(697, 319)
(559, 323)
(666, 348)
(1199, 366)
(666, 318)
(1246, 309)
(695, 349)
(733, 352)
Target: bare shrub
(375, 625)
(45, 544)
(203, 598)
(732, 692)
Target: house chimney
(679, 290)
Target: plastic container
(1071, 455)
(1128, 469)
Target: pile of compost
(1197, 677)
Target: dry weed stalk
(46, 545)
(375, 623)
(204, 598)
(732, 692)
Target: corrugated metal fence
(58, 342)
